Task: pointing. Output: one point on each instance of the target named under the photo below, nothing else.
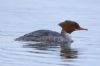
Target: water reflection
(64, 52)
(69, 53)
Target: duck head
(70, 26)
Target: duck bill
(81, 28)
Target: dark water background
(18, 17)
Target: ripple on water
(30, 55)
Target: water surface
(18, 17)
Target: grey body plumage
(41, 36)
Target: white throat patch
(68, 37)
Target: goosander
(49, 36)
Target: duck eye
(76, 25)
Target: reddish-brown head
(70, 26)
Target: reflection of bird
(48, 36)
(69, 53)
(40, 46)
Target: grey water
(18, 17)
